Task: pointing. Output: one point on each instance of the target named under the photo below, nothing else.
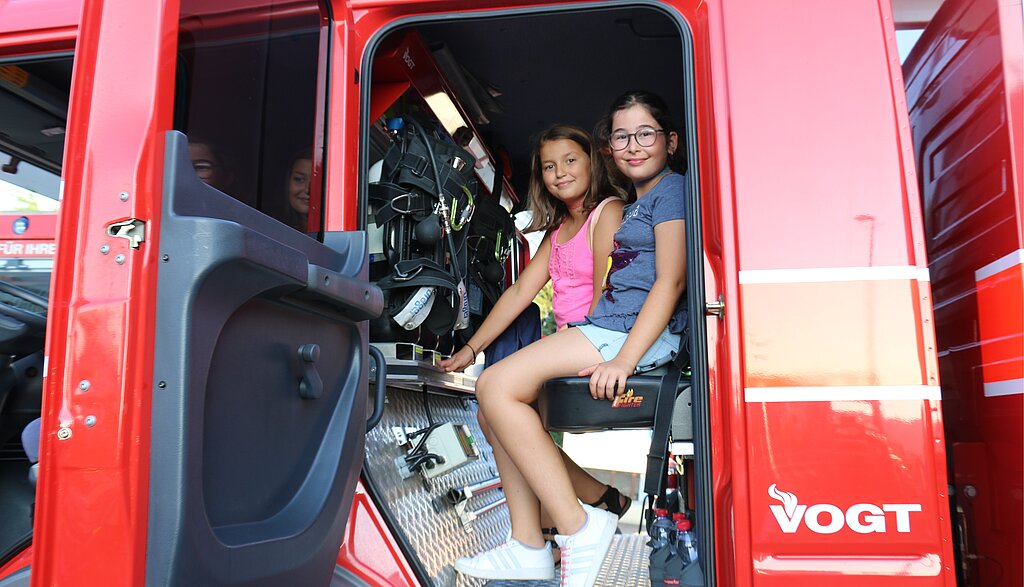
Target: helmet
(416, 309)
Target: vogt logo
(826, 518)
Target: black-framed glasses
(645, 137)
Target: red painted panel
(30, 26)
(816, 144)
(20, 561)
(837, 333)
(93, 485)
(1001, 327)
(838, 493)
(369, 549)
(37, 241)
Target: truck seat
(565, 405)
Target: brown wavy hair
(548, 211)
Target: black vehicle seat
(659, 400)
(565, 405)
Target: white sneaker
(512, 560)
(584, 551)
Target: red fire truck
(213, 411)
(965, 88)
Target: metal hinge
(132, 229)
(716, 308)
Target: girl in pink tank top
(572, 266)
(573, 200)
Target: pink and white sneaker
(584, 551)
(512, 560)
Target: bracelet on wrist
(473, 350)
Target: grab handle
(379, 388)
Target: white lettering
(814, 523)
(827, 518)
(788, 523)
(40, 248)
(874, 520)
(902, 511)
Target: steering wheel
(34, 320)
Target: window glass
(247, 99)
(33, 115)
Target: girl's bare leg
(586, 487)
(523, 506)
(534, 465)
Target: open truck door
(220, 350)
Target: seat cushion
(565, 405)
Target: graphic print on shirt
(620, 260)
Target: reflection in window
(246, 98)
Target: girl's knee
(490, 390)
(485, 384)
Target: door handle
(311, 386)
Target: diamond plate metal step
(625, 566)
(432, 528)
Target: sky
(905, 41)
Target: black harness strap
(657, 469)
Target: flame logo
(789, 501)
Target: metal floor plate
(432, 528)
(625, 566)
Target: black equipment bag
(427, 204)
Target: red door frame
(94, 479)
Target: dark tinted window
(247, 99)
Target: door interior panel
(259, 401)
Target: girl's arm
(509, 306)
(609, 378)
(603, 242)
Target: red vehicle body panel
(970, 149)
(825, 417)
(370, 550)
(37, 241)
(832, 383)
(30, 27)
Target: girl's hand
(608, 379)
(462, 358)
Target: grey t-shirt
(632, 272)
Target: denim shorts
(609, 343)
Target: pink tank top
(572, 273)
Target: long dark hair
(659, 111)
(548, 211)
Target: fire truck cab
(235, 373)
